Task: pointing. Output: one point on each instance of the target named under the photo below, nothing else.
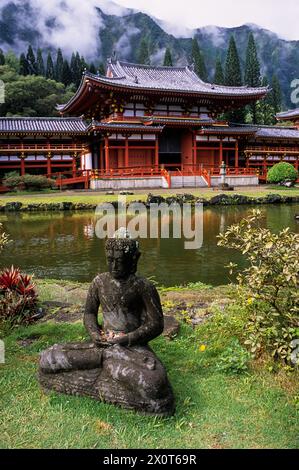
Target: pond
(63, 245)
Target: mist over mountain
(96, 28)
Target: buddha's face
(120, 265)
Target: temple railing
(42, 147)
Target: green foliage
(2, 57)
(234, 359)
(219, 74)
(253, 76)
(59, 66)
(24, 66)
(282, 172)
(233, 77)
(252, 68)
(29, 182)
(269, 285)
(31, 95)
(66, 77)
(32, 64)
(199, 62)
(168, 58)
(40, 66)
(3, 238)
(276, 97)
(143, 53)
(50, 70)
(12, 61)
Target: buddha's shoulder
(144, 283)
(100, 279)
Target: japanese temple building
(143, 126)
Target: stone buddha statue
(117, 366)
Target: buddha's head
(122, 257)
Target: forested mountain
(98, 28)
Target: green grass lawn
(97, 197)
(257, 409)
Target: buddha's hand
(99, 339)
(123, 340)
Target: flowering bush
(18, 297)
(269, 286)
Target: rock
(151, 199)
(171, 327)
(13, 206)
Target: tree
(219, 75)
(2, 57)
(252, 72)
(167, 58)
(40, 63)
(12, 60)
(276, 94)
(233, 77)
(252, 68)
(24, 66)
(76, 69)
(31, 61)
(50, 71)
(198, 59)
(66, 77)
(92, 68)
(143, 53)
(59, 66)
(101, 69)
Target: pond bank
(218, 200)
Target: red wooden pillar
(74, 165)
(107, 165)
(22, 164)
(237, 154)
(49, 172)
(126, 152)
(265, 165)
(157, 152)
(297, 163)
(221, 152)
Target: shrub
(234, 359)
(3, 238)
(269, 286)
(282, 172)
(28, 182)
(18, 297)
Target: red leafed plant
(18, 296)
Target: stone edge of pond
(218, 200)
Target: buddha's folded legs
(71, 356)
(131, 377)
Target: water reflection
(64, 246)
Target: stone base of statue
(131, 377)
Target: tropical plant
(282, 172)
(18, 297)
(269, 286)
(3, 238)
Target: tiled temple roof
(121, 127)
(228, 130)
(288, 115)
(277, 133)
(124, 76)
(258, 132)
(169, 78)
(42, 125)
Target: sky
(279, 16)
